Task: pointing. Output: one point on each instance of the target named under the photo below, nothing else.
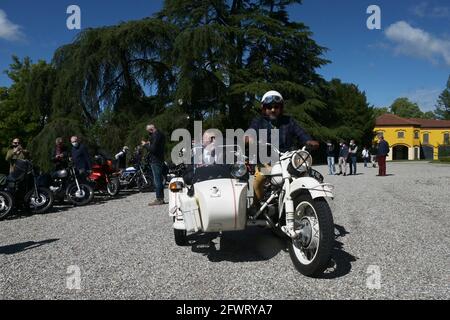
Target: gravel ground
(397, 225)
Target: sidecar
(214, 200)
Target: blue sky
(409, 56)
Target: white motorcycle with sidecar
(219, 197)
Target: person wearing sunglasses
(15, 152)
(272, 117)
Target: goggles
(273, 102)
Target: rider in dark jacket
(272, 117)
(80, 155)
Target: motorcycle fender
(314, 187)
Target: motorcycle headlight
(301, 161)
(238, 170)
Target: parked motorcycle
(69, 184)
(103, 177)
(220, 197)
(136, 176)
(21, 190)
(6, 200)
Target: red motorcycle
(104, 177)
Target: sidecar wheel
(180, 237)
(311, 252)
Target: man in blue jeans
(330, 158)
(156, 157)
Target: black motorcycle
(23, 188)
(69, 184)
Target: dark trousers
(158, 180)
(365, 162)
(352, 164)
(381, 165)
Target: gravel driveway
(392, 242)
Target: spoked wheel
(311, 251)
(113, 187)
(40, 201)
(80, 197)
(6, 204)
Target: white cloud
(8, 30)
(424, 10)
(417, 42)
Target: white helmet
(271, 97)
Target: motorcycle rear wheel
(6, 204)
(41, 203)
(83, 198)
(311, 255)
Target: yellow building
(414, 139)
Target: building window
(426, 138)
(400, 135)
(446, 138)
(416, 134)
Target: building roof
(393, 120)
(389, 119)
(431, 123)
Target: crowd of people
(272, 117)
(348, 154)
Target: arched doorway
(400, 152)
(426, 152)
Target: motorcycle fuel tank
(223, 204)
(62, 173)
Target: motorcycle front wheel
(113, 187)
(80, 197)
(40, 201)
(6, 204)
(180, 237)
(311, 251)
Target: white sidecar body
(217, 205)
